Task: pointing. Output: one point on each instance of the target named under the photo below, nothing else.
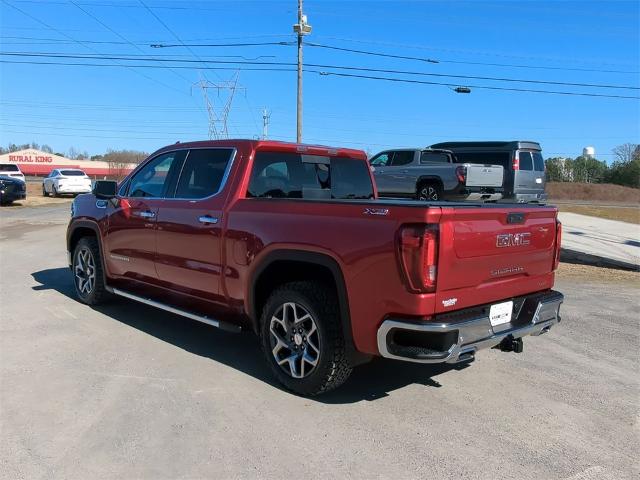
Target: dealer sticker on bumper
(500, 313)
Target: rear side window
(485, 158)
(526, 161)
(538, 162)
(402, 157)
(434, 157)
(202, 173)
(289, 175)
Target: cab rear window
(291, 175)
(9, 167)
(484, 158)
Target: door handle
(207, 219)
(147, 214)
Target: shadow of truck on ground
(242, 351)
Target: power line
(175, 35)
(405, 57)
(78, 64)
(432, 60)
(487, 87)
(60, 32)
(121, 36)
(316, 65)
(141, 42)
(44, 41)
(121, 5)
(325, 73)
(466, 52)
(243, 44)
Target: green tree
(588, 170)
(626, 169)
(555, 169)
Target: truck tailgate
(484, 175)
(489, 254)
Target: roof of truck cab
(270, 145)
(416, 149)
(501, 145)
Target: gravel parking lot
(127, 391)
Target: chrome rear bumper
(487, 197)
(469, 330)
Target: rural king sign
(31, 158)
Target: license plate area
(500, 313)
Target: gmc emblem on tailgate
(512, 239)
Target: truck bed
(361, 236)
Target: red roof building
(36, 162)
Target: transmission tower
(218, 111)
(266, 116)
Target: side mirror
(105, 189)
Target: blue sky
(95, 108)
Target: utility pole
(266, 115)
(302, 28)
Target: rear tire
(429, 191)
(302, 338)
(44, 191)
(88, 273)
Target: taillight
(556, 258)
(418, 257)
(516, 163)
(461, 173)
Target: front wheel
(302, 339)
(87, 270)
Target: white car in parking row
(63, 181)
(11, 170)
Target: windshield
(9, 167)
(73, 173)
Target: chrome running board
(193, 316)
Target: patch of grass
(622, 214)
(36, 199)
(592, 192)
(588, 273)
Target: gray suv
(524, 176)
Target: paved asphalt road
(126, 391)
(608, 242)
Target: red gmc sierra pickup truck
(290, 241)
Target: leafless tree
(120, 160)
(626, 152)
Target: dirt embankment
(593, 192)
